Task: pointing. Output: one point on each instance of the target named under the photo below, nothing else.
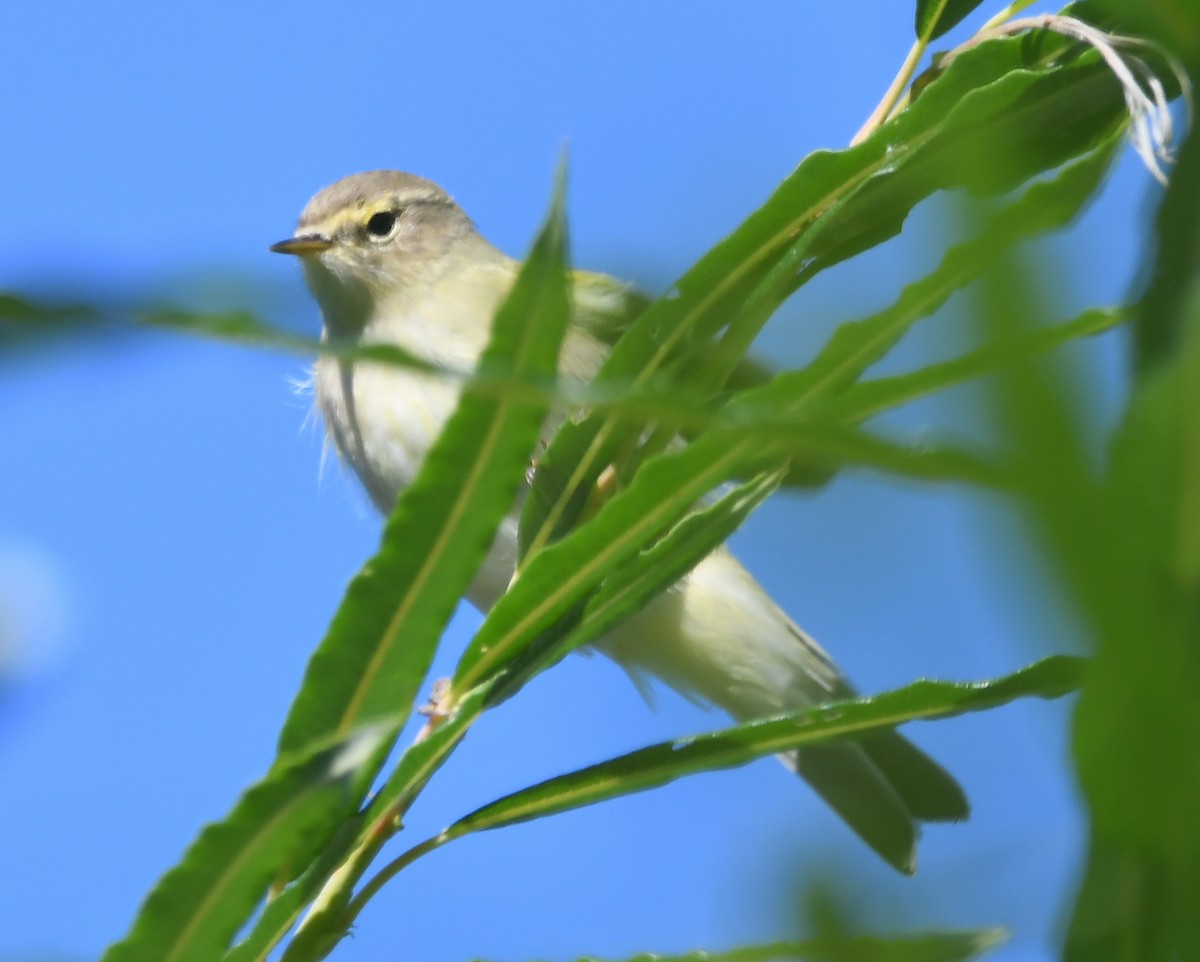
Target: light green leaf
(853, 718)
(868, 398)
(326, 923)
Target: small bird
(392, 259)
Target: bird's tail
(717, 636)
(882, 788)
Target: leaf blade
(197, 908)
(658, 764)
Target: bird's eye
(381, 224)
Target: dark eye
(382, 223)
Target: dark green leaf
(853, 718)
(564, 574)
(1173, 23)
(857, 345)
(633, 585)
(1000, 113)
(26, 322)
(196, 909)
(935, 17)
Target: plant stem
(892, 99)
(388, 872)
(898, 85)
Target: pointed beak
(303, 244)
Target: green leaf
(196, 909)
(857, 345)
(564, 574)
(247, 329)
(922, 947)
(1138, 721)
(836, 204)
(830, 446)
(868, 398)
(852, 718)
(936, 17)
(382, 638)
(325, 923)
(633, 585)
(25, 322)
(1127, 903)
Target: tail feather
(929, 792)
(857, 790)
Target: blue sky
(170, 551)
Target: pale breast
(383, 420)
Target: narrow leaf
(857, 345)
(868, 398)
(196, 909)
(922, 947)
(325, 923)
(997, 93)
(936, 17)
(26, 322)
(632, 586)
(853, 718)
(565, 573)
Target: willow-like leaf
(565, 573)
(869, 398)
(853, 718)
(857, 345)
(936, 17)
(922, 947)
(632, 586)
(195, 910)
(1002, 92)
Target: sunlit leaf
(857, 345)
(632, 585)
(195, 910)
(854, 718)
(999, 101)
(564, 574)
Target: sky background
(170, 550)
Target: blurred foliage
(1028, 118)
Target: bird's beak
(303, 244)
